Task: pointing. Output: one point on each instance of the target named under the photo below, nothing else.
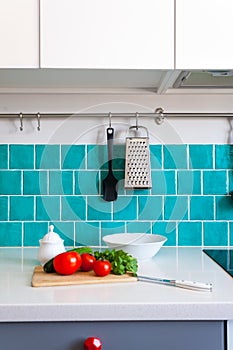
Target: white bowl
(139, 245)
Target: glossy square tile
(87, 233)
(35, 182)
(163, 182)
(98, 209)
(231, 234)
(60, 182)
(4, 157)
(214, 182)
(21, 156)
(118, 161)
(73, 157)
(87, 182)
(33, 232)
(224, 156)
(176, 208)
(21, 208)
(167, 229)
(138, 227)
(201, 157)
(10, 182)
(47, 157)
(97, 157)
(156, 156)
(175, 156)
(66, 230)
(188, 182)
(3, 208)
(10, 234)
(47, 208)
(189, 234)
(224, 208)
(215, 233)
(150, 208)
(125, 208)
(73, 208)
(202, 208)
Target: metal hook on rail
(137, 115)
(160, 118)
(21, 121)
(38, 121)
(110, 119)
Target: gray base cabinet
(138, 335)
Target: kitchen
(63, 69)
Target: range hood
(205, 79)
(113, 80)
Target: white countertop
(118, 301)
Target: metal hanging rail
(159, 115)
(121, 115)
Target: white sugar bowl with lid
(50, 246)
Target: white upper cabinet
(19, 33)
(124, 34)
(204, 31)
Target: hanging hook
(110, 119)
(38, 121)
(160, 118)
(137, 115)
(21, 121)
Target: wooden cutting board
(43, 279)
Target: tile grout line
(214, 157)
(202, 234)
(188, 158)
(214, 207)
(22, 234)
(8, 157)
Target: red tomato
(102, 267)
(87, 262)
(67, 263)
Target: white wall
(92, 130)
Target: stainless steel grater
(137, 161)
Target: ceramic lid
(51, 237)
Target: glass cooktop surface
(223, 257)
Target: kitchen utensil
(43, 279)
(110, 182)
(50, 245)
(137, 161)
(140, 245)
(198, 286)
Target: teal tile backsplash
(189, 201)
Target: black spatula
(110, 182)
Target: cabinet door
(19, 33)
(204, 34)
(180, 335)
(107, 34)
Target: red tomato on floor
(87, 262)
(67, 263)
(102, 267)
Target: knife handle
(194, 285)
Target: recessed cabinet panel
(19, 33)
(204, 34)
(123, 34)
(129, 335)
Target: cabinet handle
(92, 343)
